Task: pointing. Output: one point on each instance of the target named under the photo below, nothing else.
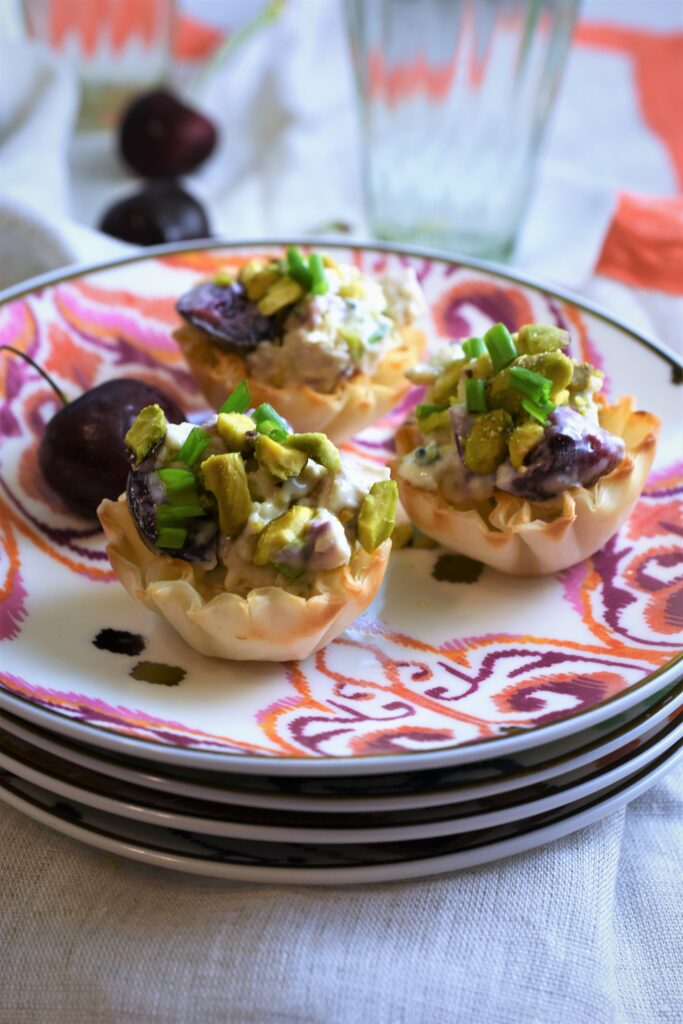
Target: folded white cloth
(588, 930)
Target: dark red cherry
(161, 212)
(225, 312)
(160, 137)
(82, 455)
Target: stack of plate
(466, 717)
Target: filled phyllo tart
(324, 343)
(514, 458)
(252, 540)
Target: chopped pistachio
(581, 376)
(235, 428)
(251, 269)
(446, 384)
(225, 476)
(224, 277)
(281, 532)
(147, 432)
(522, 440)
(319, 448)
(283, 462)
(536, 338)
(284, 293)
(435, 421)
(486, 444)
(556, 366)
(257, 286)
(501, 394)
(354, 343)
(377, 514)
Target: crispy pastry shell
(269, 624)
(355, 404)
(534, 538)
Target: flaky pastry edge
(356, 403)
(536, 538)
(269, 624)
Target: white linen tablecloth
(588, 929)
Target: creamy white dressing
(446, 473)
(346, 330)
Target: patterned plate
(452, 663)
(190, 790)
(269, 825)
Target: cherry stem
(269, 12)
(46, 376)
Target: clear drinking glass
(118, 47)
(454, 97)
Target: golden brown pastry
(529, 472)
(252, 541)
(332, 359)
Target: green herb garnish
(172, 537)
(270, 422)
(474, 347)
(535, 389)
(238, 400)
(475, 395)
(501, 346)
(297, 269)
(424, 410)
(176, 480)
(168, 515)
(317, 270)
(196, 443)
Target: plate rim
(667, 737)
(582, 755)
(366, 763)
(363, 875)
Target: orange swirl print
(12, 592)
(500, 304)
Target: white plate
(449, 824)
(160, 848)
(436, 673)
(125, 783)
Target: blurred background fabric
(586, 931)
(606, 209)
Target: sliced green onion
(426, 410)
(176, 479)
(172, 537)
(180, 486)
(531, 384)
(169, 514)
(538, 410)
(297, 269)
(501, 347)
(266, 414)
(196, 443)
(271, 429)
(318, 275)
(238, 400)
(475, 395)
(474, 347)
